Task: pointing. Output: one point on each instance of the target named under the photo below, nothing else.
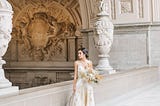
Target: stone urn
(5, 37)
(103, 37)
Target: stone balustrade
(111, 87)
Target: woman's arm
(75, 75)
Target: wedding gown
(83, 95)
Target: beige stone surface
(111, 87)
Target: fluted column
(5, 37)
(103, 37)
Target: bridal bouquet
(92, 76)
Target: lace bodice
(82, 69)
(81, 66)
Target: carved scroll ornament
(42, 32)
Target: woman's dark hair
(84, 50)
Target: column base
(106, 70)
(104, 67)
(111, 71)
(5, 83)
(9, 91)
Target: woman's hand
(74, 89)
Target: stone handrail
(111, 87)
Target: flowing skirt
(83, 95)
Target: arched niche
(44, 30)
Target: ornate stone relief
(101, 6)
(126, 6)
(5, 30)
(125, 11)
(103, 37)
(41, 29)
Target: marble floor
(146, 96)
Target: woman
(82, 89)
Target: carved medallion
(41, 31)
(126, 6)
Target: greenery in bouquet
(92, 76)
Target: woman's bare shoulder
(76, 62)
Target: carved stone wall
(26, 78)
(135, 11)
(45, 37)
(125, 11)
(42, 30)
(128, 11)
(136, 32)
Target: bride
(82, 90)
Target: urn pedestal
(5, 37)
